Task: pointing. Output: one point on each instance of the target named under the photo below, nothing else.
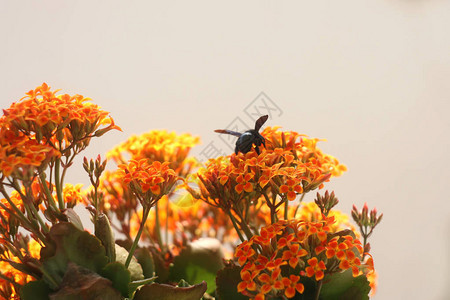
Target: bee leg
(257, 149)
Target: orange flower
(243, 183)
(291, 189)
(315, 268)
(247, 282)
(291, 285)
(293, 254)
(244, 251)
(272, 281)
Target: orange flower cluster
(290, 165)
(303, 148)
(19, 155)
(8, 290)
(149, 182)
(158, 145)
(304, 249)
(42, 126)
(64, 122)
(154, 146)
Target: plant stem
(244, 226)
(236, 227)
(58, 184)
(145, 212)
(35, 213)
(319, 287)
(299, 203)
(50, 199)
(68, 162)
(286, 207)
(53, 283)
(166, 233)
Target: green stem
(4, 277)
(319, 287)
(53, 283)
(244, 225)
(136, 240)
(49, 196)
(236, 227)
(15, 212)
(58, 184)
(166, 233)
(35, 213)
(299, 202)
(18, 213)
(286, 207)
(68, 162)
(272, 208)
(96, 202)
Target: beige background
(370, 76)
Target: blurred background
(372, 77)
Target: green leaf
(156, 291)
(227, 281)
(35, 290)
(199, 261)
(134, 285)
(119, 275)
(105, 234)
(134, 267)
(145, 259)
(310, 289)
(73, 218)
(82, 283)
(345, 286)
(74, 245)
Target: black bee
(249, 138)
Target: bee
(249, 138)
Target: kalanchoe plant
(241, 230)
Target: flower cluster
(62, 121)
(287, 248)
(149, 182)
(40, 135)
(21, 156)
(291, 165)
(158, 145)
(168, 148)
(274, 261)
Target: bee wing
(260, 122)
(226, 131)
